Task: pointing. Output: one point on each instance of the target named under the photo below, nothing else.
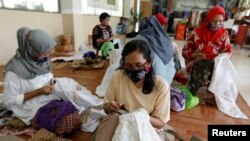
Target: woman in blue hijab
(161, 47)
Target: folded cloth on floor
(12, 131)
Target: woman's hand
(47, 90)
(111, 107)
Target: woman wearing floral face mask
(135, 86)
(207, 41)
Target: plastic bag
(191, 100)
(177, 99)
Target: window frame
(30, 10)
(108, 11)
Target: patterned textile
(12, 131)
(16, 123)
(48, 115)
(68, 123)
(201, 75)
(177, 99)
(209, 50)
(135, 126)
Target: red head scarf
(206, 34)
(161, 18)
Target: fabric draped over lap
(223, 86)
(135, 126)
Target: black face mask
(136, 75)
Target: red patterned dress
(209, 50)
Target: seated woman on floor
(102, 35)
(160, 45)
(29, 87)
(207, 56)
(135, 86)
(206, 42)
(163, 53)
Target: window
(34, 5)
(248, 12)
(96, 7)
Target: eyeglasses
(136, 66)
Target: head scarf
(159, 41)
(204, 33)
(161, 18)
(30, 44)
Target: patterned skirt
(201, 75)
(66, 125)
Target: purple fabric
(48, 115)
(177, 99)
(174, 97)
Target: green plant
(135, 17)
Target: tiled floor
(241, 62)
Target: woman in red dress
(203, 45)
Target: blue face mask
(41, 58)
(44, 59)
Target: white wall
(80, 26)
(12, 20)
(127, 5)
(55, 24)
(78, 30)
